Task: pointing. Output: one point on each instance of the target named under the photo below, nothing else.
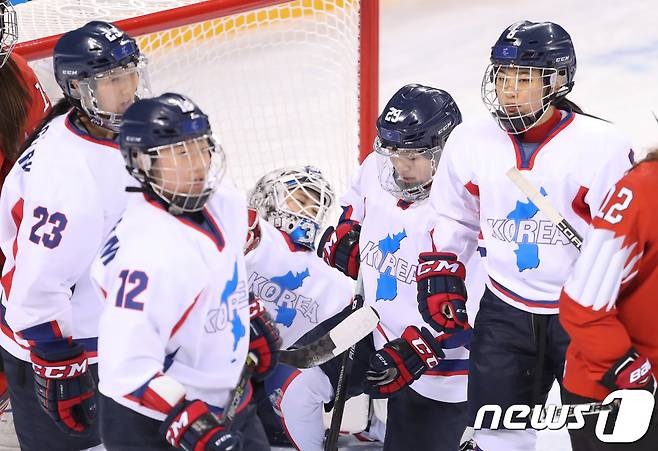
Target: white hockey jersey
(393, 233)
(527, 257)
(58, 203)
(299, 290)
(176, 301)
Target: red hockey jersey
(37, 110)
(610, 302)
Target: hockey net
(284, 82)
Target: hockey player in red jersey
(24, 105)
(608, 305)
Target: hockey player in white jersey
(386, 222)
(58, 203)
(518, 345)
(175, 333)
(289, 208)
(301, 293)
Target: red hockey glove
(340, 247)
(265, 340)
(192, 427)
(401, 361)
(65, 389)
(442, 291)
(632, 371)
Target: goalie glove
(402, 361)
(632, 371)
(65, 389)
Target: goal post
(284, 82)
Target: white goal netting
(280, 83)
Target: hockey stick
(352, 329)
(574, 238)
(238, 392)
(545, 207)
(345, 370)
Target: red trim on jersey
(432, 240)
(284, 387)
(537, 133)
(519, 160)
(580, 207)
(473, 189)
(17, 216)
(403, 204)
(133, 398)
(549, 304)
(10, 333)
(103, 292)
(182, 319)
(381, 331)
(445, 373)
(86, 136)
(57, 333)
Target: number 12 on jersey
(132, 284)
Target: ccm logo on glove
(75, 369)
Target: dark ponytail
(567, 105)
(16, 102)
(62, 106)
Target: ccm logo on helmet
(561, 59)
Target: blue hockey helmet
(168, 146)
(101, 70)
(526, 51)
(8, 30)
(411, 133)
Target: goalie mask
(532, 67)
(102, 72)
(8, 30)
(168, 146)
(411, 133)
(294, 200)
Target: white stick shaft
(545, 207)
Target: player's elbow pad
(163, 393)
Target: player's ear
(558, 80)
(75, 88)
(144, 162)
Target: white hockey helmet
(295, 200)
(8, 30)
